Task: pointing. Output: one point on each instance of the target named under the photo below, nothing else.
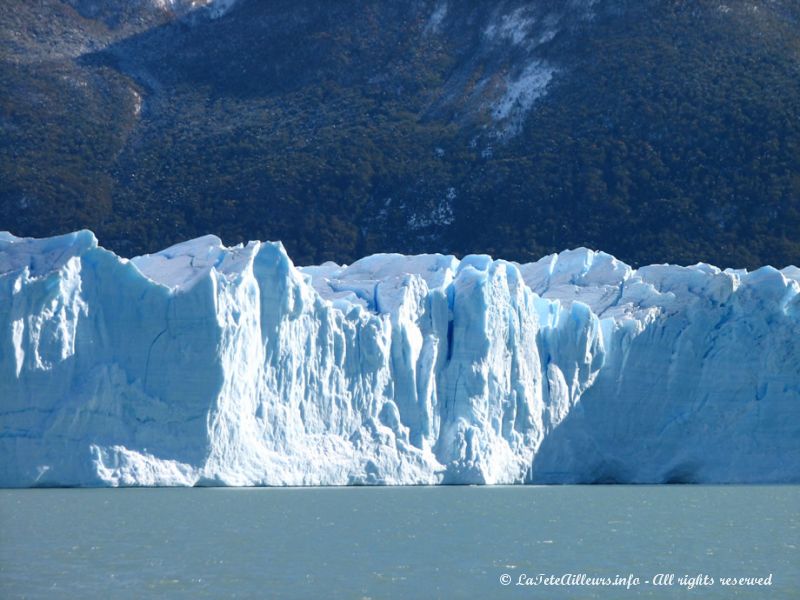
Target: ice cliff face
(230, 366)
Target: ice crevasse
(207, 365)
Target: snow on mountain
(206, 365)
(216, 8)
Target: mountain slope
(660, 131)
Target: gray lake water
(426, 542)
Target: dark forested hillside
(654, 130)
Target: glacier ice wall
(206, 365)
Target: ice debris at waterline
(206, 365)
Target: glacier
(207, 365)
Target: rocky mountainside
(657, 130)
